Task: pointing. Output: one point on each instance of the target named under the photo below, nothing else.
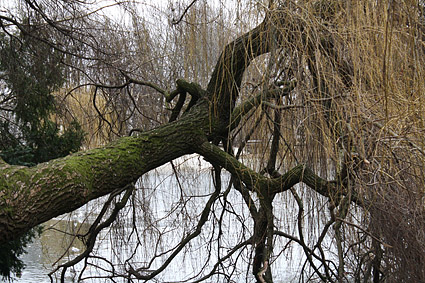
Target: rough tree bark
(31, 196)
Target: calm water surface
(160, 189)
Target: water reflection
(55, 244)
(158, 210)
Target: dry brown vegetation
(350, 77)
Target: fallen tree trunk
(31, 196)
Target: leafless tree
(311, 121)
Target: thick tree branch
(30, 196)
(194, 89)
(226, 78)
(265, 186)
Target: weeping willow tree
(312, 121)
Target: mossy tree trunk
(32, 195)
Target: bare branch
(177, 21)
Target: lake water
(159, 201)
